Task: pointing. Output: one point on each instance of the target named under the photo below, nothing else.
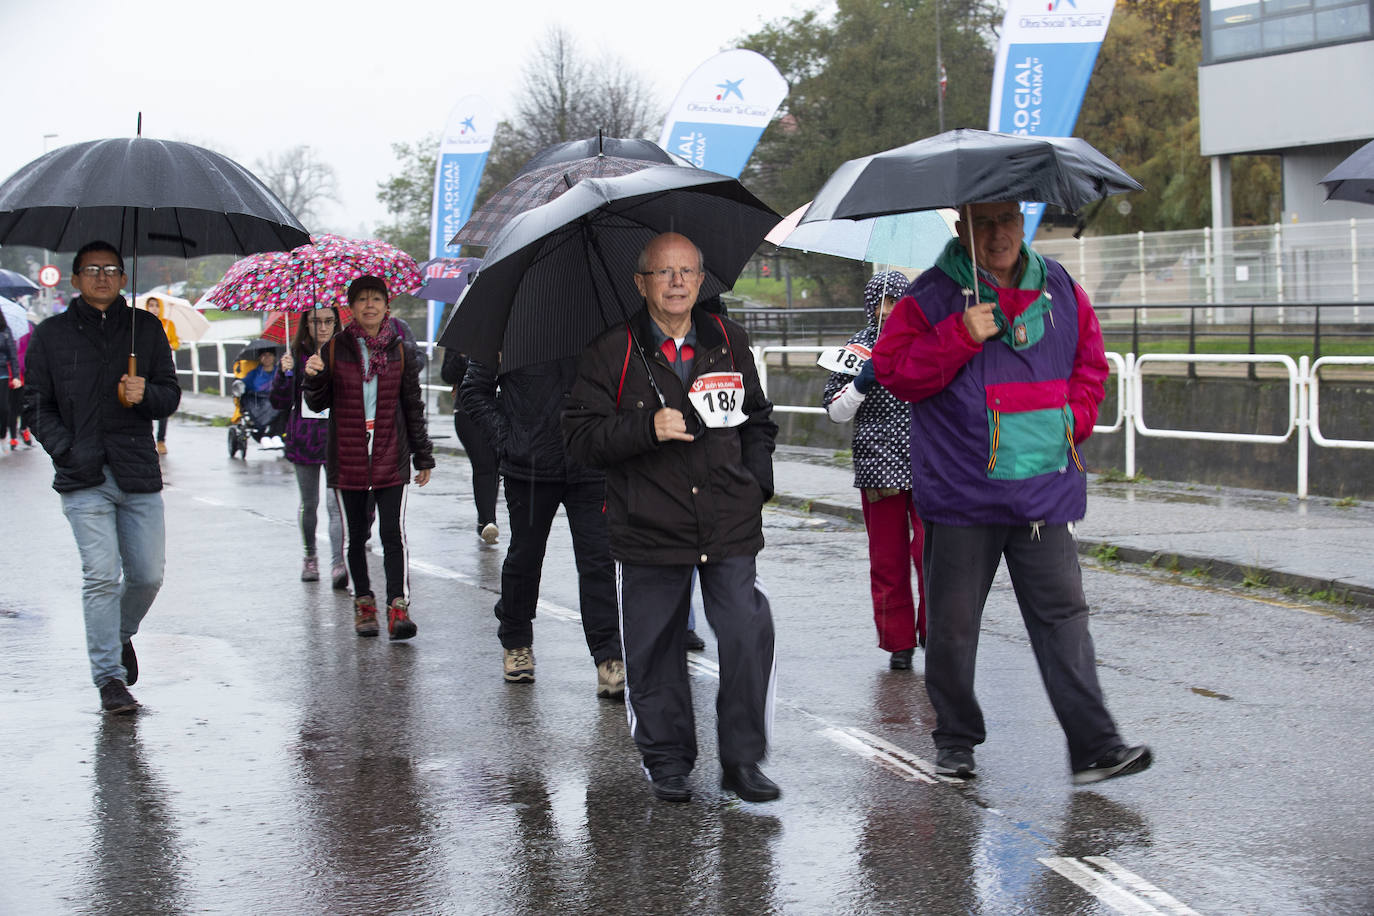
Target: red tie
(670, 351)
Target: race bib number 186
(719, 399)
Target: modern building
(1292, 78)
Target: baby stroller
(254, 416)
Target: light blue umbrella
(15, 316)
(900, 240)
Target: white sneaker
(490, 533)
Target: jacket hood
(888, 283)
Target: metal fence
(1303, 377)
(1269, 277)
(1330, 262)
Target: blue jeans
(122, 541)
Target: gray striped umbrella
(560, 274)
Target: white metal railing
(224, 374)
(1149, 358)
(1304, 398)
(761, 363)
(1314, 412)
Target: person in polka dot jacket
(882, 472)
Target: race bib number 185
(719, 399)
(849, 358)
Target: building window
(1250, 28)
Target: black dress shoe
(749, 783)
(129, 660)
(673, 788)
(694, 642)
(901, 660)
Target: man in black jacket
(686, 436)
(95, 419)
(522, 425)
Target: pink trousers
(895, 542)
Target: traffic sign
(50, 275)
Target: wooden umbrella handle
(133, 370)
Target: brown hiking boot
(365, 616)
(398, 622)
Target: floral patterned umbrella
(313, 276)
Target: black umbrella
(968, 166)
(551, 173)
(254, 347)
(560, 274)
(572, 150)
(1353, 179)
(144, 196)
(13, 285)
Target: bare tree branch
(565, 96)
(301, 180)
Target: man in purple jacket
(1004, 382)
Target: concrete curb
(1208, 567)
(1227, 572)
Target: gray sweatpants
(960, 563)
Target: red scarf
(376, 347)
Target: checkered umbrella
(446, 278)
(535, 188)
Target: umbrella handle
(132, 370)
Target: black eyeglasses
(95, 270)
(665, 274)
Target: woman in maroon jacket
(368, 377)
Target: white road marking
(558, 611)
(441, 572)
(1119, 899)
(703, 665)
(1142, 887)
(908, 766)
(1135, 897)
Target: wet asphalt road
(281, 765)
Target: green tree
(408, 197)
(863, 81)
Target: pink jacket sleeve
(913, 359)
(1086, 385)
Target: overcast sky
(251, 77)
